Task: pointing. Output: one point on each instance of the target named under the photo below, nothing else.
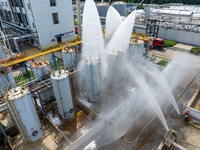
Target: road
(178, 49)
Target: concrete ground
(46, 143)
(154, 133)
(189, 133)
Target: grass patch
(195, 50)
(24, 76)
(162, 63)
(169, 43)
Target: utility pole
(78, 14)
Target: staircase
(91, 115)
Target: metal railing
(36, 52)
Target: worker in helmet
(173, 133)
(187, 118)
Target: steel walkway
(31, 54)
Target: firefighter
(187, 118)
(173, 133)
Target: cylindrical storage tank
(2, 54)
(40, 68)
(114, 69)
(6, 76)
(92, 79)
(23, 111)
(102, 9)
(120, 7)
(69, 58)
(62, 89)
(135, 49)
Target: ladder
(19, 120)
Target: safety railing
(33, 52)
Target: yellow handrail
(31, 54)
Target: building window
(52, 3)
(2, 3)
(55, 18)
(6, 4)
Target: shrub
(195, 50)
(169, 43)
(162, 63)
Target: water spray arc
(93, 46)
(118, 66)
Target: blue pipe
(146, 50)
(26, 67)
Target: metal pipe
(70, 82)
(25, 66)
(146, 50)
(189, 144)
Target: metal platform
(31, 54)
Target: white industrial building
(40, 22)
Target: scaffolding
(154, 24)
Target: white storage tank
(23, 111)
(135, 50)
(6, 76)
(120, 7)
(63, 94)
(40, 68)
(102, 9)
(114, 69)
(69, 57)
(92, 79)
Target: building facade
(46, 22)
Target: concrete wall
(140, 30)
(46, 29)
(180, 36)
(193, 112)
